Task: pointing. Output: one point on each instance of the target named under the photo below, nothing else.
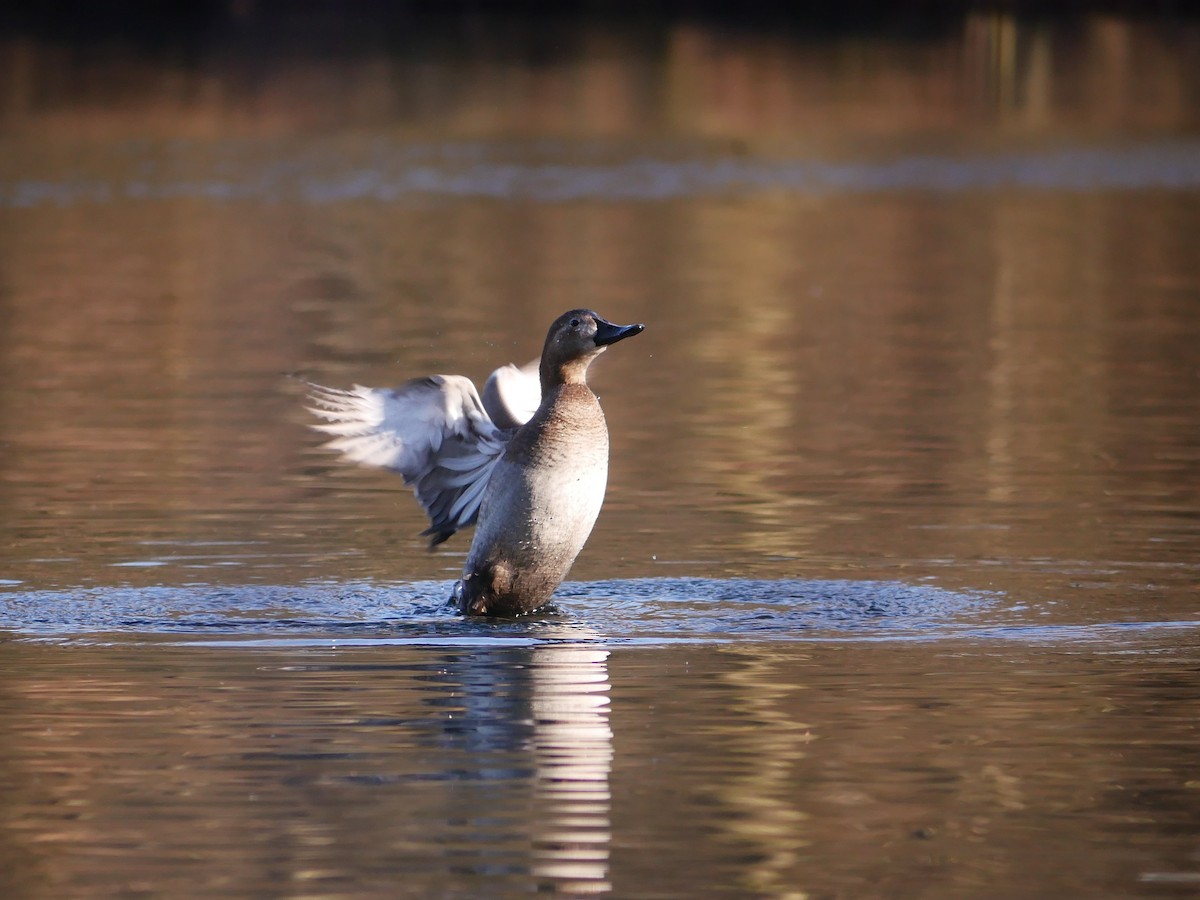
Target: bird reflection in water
(572, 748)
(532, 738)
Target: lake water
(896, 591)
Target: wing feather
(512, 394)
(434, 431)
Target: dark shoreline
(368, 22)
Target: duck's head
(574, 340)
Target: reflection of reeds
(610, 80)
(751, 414)
(763, 818)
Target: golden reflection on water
(764, 819)
(751, 770)
(310, 774)
(839, 377)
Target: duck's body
(535, 490)
(539, 507)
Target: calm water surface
(896, 591)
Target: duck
(526, 463)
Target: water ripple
(656, 610)
(643, 611)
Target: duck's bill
(608, 333)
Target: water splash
(641, 611)
(649, 610)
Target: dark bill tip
(608, 333)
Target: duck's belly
(532, 525)
(563, 509)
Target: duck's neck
(555, 375)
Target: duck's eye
(574, 323)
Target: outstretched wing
(512, 394)
(434, 431)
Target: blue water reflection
(442, 171)
(640, 611)
(657, 610)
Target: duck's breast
(545, 494)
